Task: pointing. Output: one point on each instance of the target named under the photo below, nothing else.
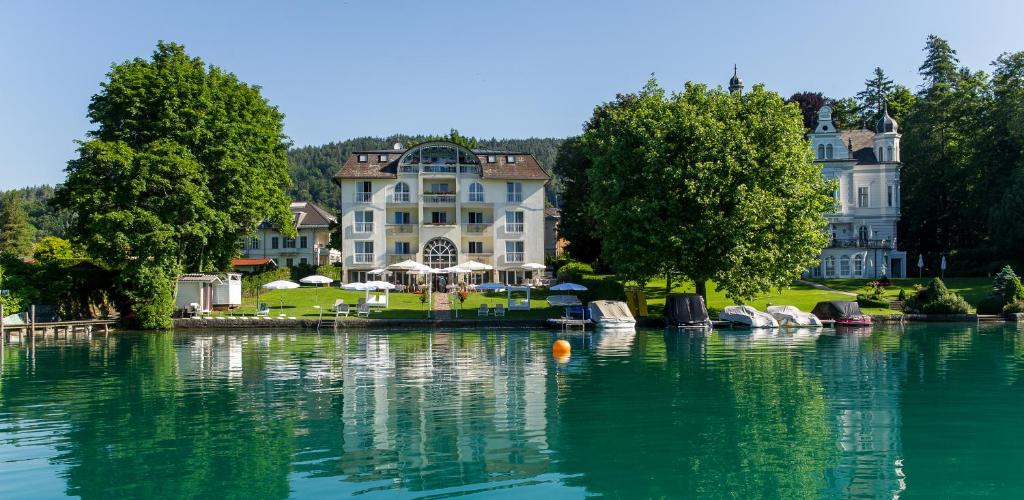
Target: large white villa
(441, 204)
(866, 164)
(311, 246)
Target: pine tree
(16, 233)
(940, 65)
(876, 90)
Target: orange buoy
(561, 348)
(562, 359)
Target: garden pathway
(819, 286)
(442, 306)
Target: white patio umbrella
(280, 285)
(455, 269)
(316, 279)
(533, 266)
(382, 272)
(405, 265)
(379, 285)
(359, 287)
(568, 287)
(942, 266)
(920, 265)
(491, 286)
(476, 266)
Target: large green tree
(185, 159)
(16, 233)
(876, 92)
(1003, 154)
(576, 225)
(707, 184)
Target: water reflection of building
(862, 382)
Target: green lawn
(799, 295)
(300, 301)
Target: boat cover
(685, 309)
(837, 309)
(610, 311)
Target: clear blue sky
(504, 69)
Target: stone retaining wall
(238, 324)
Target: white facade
(441, 204)
(866, 165)
(311, 245)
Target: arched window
(401, 193)
(476, 192)
(440, 253)
(830, 266)
(888, 153)
(844, 266)
(880, 154)
(858, 265)
(862, 235)
(828, 151)
(821, 151)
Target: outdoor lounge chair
(264, 310)
(341, 310)
(363, 310)
(483, 311)
(499, 310)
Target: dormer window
(510, 159)
(382, 158)
(363, 158)
(492, 159)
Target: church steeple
(735, 83)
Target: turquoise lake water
(916, 411)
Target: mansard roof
(863, 141)
(525, 166)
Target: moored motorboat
(611, 314)
(747, 316)
(843, 312)
(791, 316)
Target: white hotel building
(441, 204)
(866, 164)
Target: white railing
(395, 258)
(362, 258)
(515, 197)
(514, 227)
(439, 198)
(364, 227)
(400, 198)
(476, 197)
(515, 257)
(364, 197)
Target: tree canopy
(185, 159)
(16, 233)
(707, 184)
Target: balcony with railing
(400, 198)
(515, 258)
(439, 198)
(362, 258)
(514, 197)
(476, 227)
(861, 243)
(481, 257)
(400, 229)
(470, 169)
(395, 258)
(363, 227)
(363, 197)
(514, 227)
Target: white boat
(791, 316)
(747, 316)
(611, 314)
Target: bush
(574, 271)
(251, 283)
(868, 301)
(903, 295)
(602, 289)
(1014, 307)
(937, 299)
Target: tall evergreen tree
(940, 64)
(1003, 154)
(876, 91)
(16, 233)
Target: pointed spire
(735, 83)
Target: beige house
(310, 246)
(442, 204)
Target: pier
(19, 333)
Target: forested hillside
(312, 167)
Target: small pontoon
(791, 316)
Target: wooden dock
(32, 329)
